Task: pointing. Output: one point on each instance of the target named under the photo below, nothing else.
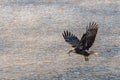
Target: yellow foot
(86, 58)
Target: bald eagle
(82, 46)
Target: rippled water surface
(32, 46)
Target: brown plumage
(82, 46)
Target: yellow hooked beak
(70, 51)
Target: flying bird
(82, 46)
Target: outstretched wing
(70, 38)
(88, 38)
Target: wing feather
(70, 38)
(88, 38)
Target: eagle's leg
(86, 58)
(70, 52)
